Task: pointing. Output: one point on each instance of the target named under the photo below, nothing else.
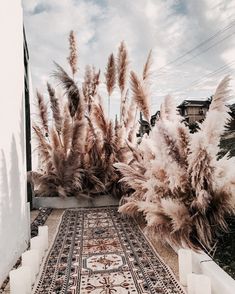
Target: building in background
(194, 110)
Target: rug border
(160, 258)
(47, 253)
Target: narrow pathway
(97, 251)
(52, 219)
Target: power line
(229, 72)
(225, 73)
(199, 45)
(215, 72)
(207, 49)
(211, 74)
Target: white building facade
(14, 210)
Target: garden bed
(225, 249)
(221, 282)
(73, 202)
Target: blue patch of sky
(180, 7)
(40, 8)
(96, 18)
(101, 3)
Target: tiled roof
(193, 102)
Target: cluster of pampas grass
(173, 178)
(78, 143)
(178, 184)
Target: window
(201, 111)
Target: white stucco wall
(14, 223)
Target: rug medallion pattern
(96, 251)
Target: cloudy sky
(193, 42)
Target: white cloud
(169, 27)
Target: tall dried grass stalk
(55, 107)
(140, 95)
(43, 112)
(110, 74)
(122, 71)
(70, 87)
(73, 56)
(122, 66)
(110, 77)
(147, 68)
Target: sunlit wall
(14, 223)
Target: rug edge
(47, 253)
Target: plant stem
(136, 109)
(121, 107)
(60, 139)
(109, 106)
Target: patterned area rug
(96, 251)
(40, 220)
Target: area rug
(97, 251)
(40, 220)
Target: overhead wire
(215, 72)
(200, 45)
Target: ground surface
(166, 253)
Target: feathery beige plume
(99, 117)
(71, 88)
(66, 130)
(124, 106)
(147, 67)
(78, 137)
(43, 114)
(90, 85)
(55, 142)
(141, 95)
(109, 141)
(221, 96)
(58, 155)
(96, 81)
(130, 114)
(43, 147)
(55, 107)
(130, 208)
(86, 85)
(122, 66)
(73, 56)
(110, 74)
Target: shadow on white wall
(13, 217)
